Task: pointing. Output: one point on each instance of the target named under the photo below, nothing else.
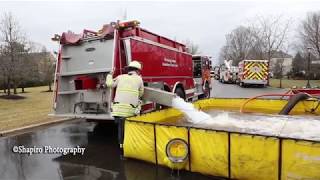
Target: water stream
(194, 115)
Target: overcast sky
(204, 23)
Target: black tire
(180, 93)
(262, 86)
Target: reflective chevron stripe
(256, 70)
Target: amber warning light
(127, 24)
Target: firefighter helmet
(135, 64)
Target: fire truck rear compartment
(83, 68)
(81, 95)
(91, 56)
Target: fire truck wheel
(180, 93)
(241, 84)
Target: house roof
(280, 54)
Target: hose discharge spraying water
(194, 115)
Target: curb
(29, 127)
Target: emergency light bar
(129, 24)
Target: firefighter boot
(121, 153)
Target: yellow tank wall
(254, 157)
(269, 106)
(166, 115)
(301, 160)
(139, 141)
(209, 152)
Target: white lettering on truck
(169, 62)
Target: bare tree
(310, 33)
(224, 54)
(3, 70)
(27, 69)
(12, 40)
(238, 44)
(278, 71)
(271, 34)
(298, 65)
(47, 68)
(192, 48)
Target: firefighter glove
(109, 80)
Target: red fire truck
(201, 74)
(85, 59)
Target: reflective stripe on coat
(129, 88)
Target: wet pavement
(100, 160)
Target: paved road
(220, 90)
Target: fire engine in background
(253, 72)
(201, 74)
(228, 73)
(215, 72)
(85, 59)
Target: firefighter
(129, 90)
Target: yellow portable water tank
(222, 152)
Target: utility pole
(308, 69)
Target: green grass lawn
(288, 83)
(33, 109)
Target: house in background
(281, 58)
(315, 69)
